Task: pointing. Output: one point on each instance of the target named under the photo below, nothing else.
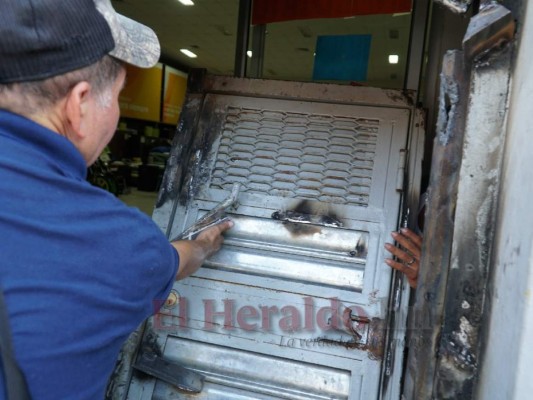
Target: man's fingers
(215, 231)
(224, 226)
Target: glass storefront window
(352, 50)
(299, 50)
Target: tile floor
(144, 201)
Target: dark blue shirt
(79, 269)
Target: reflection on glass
(352, 50)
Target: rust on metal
(491, 28)
(374, 344)
(407, 96)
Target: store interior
(368, 46)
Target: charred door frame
(450, 309)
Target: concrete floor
(144, 201)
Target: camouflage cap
(135, 43)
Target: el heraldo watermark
(310, 314)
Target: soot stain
(306, 219)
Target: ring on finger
(410, 262)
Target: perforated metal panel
(321, 157)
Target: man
(79, 270)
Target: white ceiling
(209, 29)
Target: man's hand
(193, 253)
(407, 254)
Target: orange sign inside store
(141, 96)
(174, 95)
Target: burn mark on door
(306, 219)
(361, 248)
(188, 165)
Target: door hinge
(400, 177)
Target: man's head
(40, 39)
(60, 58)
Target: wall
(508, 362)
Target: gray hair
(31, 97)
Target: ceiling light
(393, 58)
(188, 53)
(186, 2)
(249, 53)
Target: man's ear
(76, 108)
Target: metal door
(294, 305)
